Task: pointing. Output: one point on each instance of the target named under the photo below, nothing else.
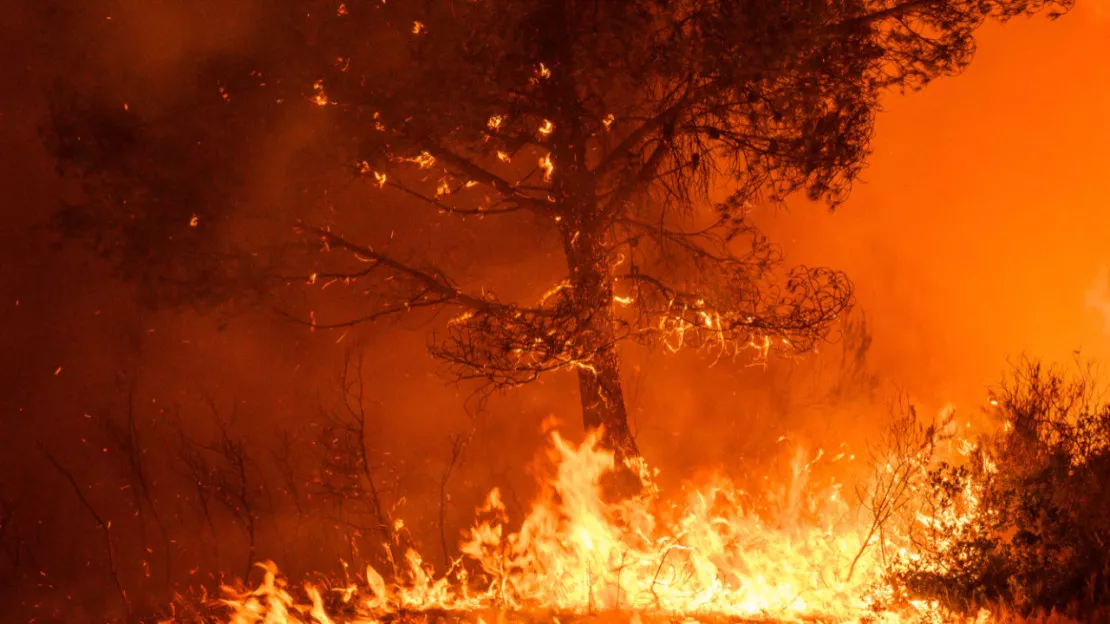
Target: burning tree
(610, 125)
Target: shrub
(1025, 521)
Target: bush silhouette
(1025, 522)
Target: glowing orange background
(984, 217)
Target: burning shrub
(1025, 521)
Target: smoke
(977, 228)
(1098, 295)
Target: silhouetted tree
(612, 122)
(610, 125)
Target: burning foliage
(1025, 520)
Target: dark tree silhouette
(611, 125)
(612, 121)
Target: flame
(547, 166)
(425, 160)
(319, 97)
(715, 551)
(379, 177)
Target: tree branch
(894, 12)
(613, 158)
(482, 175)
(435, 284)
(454, 209)
(105, 526)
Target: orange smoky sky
(978, 234)
(980, 230)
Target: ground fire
(797, 551)
(554, 311)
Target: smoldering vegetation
(1022, 524)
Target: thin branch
(897, 11)
(355, 391)
(105, 526)
(455, 210)
(474, 171)
(436, 284)
(458, 445)
(408, 306)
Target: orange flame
(712, 553)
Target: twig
(130, 443)
(458, 445)
(105, 527)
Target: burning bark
(591, 290)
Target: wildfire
(716, 552)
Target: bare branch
(458, 446)
(433, 283)
(472, 170)
(452, 209)
(105, 526)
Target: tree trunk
(602, 395)
(599, 380)
(584, 242)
